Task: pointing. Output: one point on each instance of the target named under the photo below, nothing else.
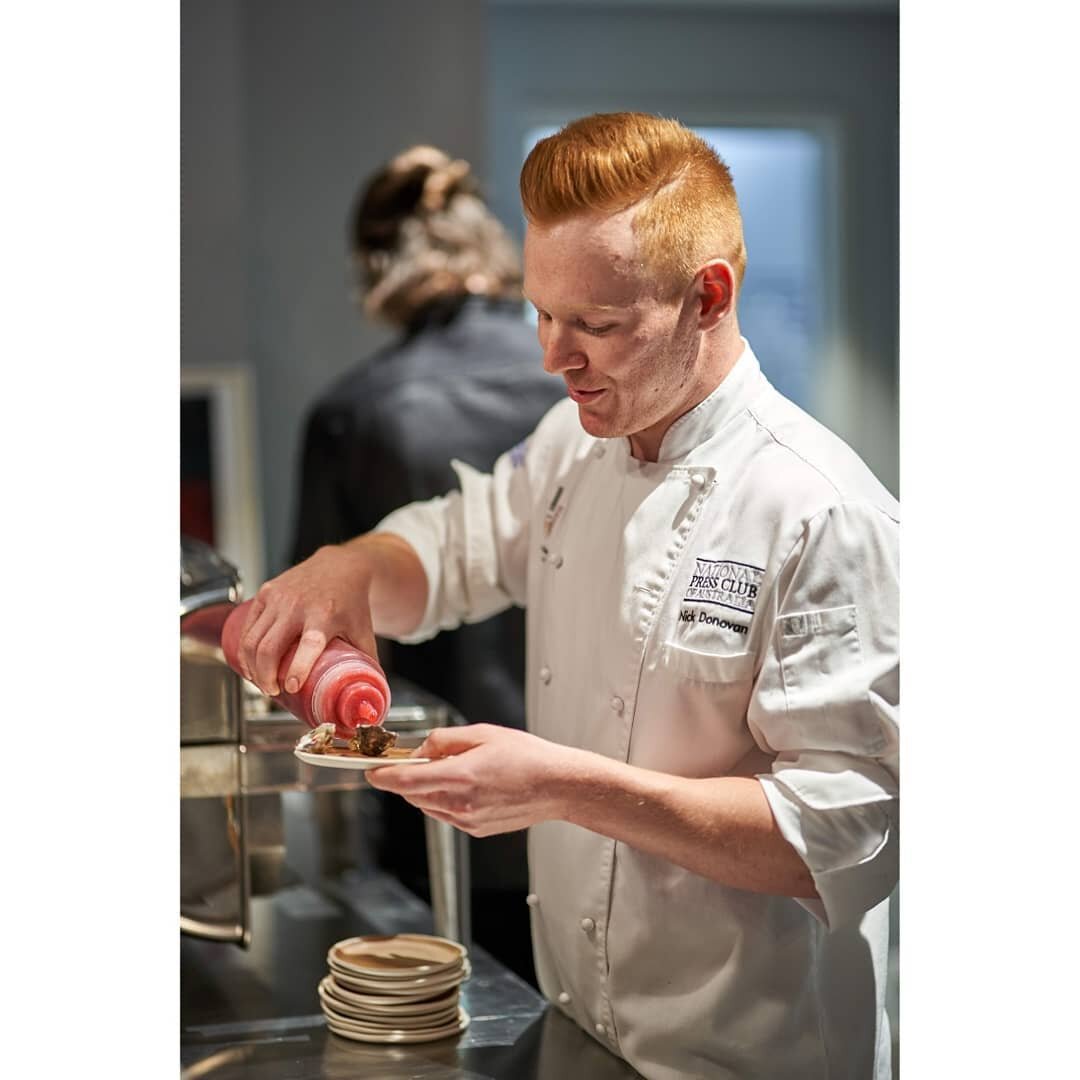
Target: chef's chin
(594, 425)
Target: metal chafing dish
(236, 760)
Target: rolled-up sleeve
(826, 703)
(472, 544)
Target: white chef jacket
(741, 589)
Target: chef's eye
(596, 330)
(542, 316)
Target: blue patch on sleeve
(517, 454)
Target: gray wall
(214, 200)
(286, 105)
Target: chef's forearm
(397, 584)
(721, 828)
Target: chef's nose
(561, 351)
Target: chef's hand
(487, 779)
(324, 597)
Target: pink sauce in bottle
(346, 687)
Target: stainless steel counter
(254, 1014)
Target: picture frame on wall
(219, 487)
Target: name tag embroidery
(705, 618)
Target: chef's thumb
(443, 742)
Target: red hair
(688, 213)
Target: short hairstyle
(612, 161)
(420, 232)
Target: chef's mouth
(583, 397)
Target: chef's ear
(715, 286)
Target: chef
(710, 772)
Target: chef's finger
(476, 823)
(312, 644)
(460, 805)
(414, 779)
(255, 609)
(453, 740)
(442, 815)
(245, 643)
(271, 648)
(251, 637)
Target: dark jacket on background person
(464, 382)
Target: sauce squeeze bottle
(346, 687)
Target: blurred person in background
(461, 381)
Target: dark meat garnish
(373, 740)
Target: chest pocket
(703, 667)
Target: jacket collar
(706, 418)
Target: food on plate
(317, 740)
(370, 741)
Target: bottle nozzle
(359, 705)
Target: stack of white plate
(398, 989)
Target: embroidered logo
(728, 584)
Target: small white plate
(397, 956)
(388, 1003)
(432, 1018)
(363, 1034)
(339, 761)
(415, 989)
(385, 1002)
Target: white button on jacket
(743, 588)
